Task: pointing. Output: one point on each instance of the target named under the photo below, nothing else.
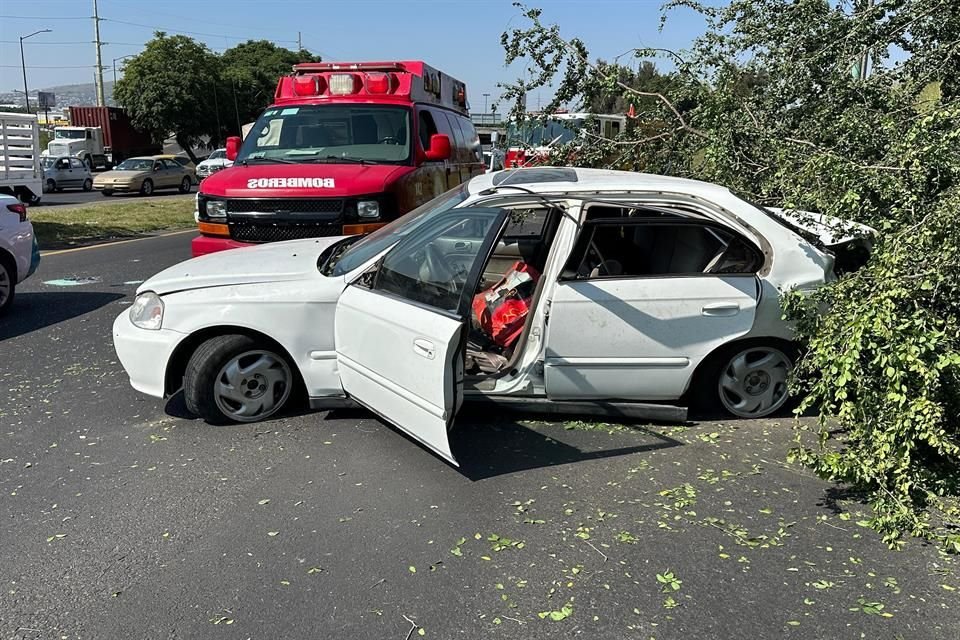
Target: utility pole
(485, 96)
(101, 100)
(299, 42)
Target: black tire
(200, 380)
(705, 394)
(88, 162)
(107, 192)
(8, 282)
(50, 185)
(88, 185)
(146, 189)
(186, 184)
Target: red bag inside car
(501, 311)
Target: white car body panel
(398, 360)
(648, 336)
(16, 238)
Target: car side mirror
(233, 147)
(439, 148)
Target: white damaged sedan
(554, 289)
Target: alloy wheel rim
(147, 188)
(4, 284)
(753, 384)
(252, 386)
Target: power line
(117, 44)
(46, 17)
(192, 33)
(59, 66)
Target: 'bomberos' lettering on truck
(344, 148)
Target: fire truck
(530, 142)
(343, 149)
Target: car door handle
(424, 348)
(461, 246)
(720, 309)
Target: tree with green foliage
(847, 110)
(251, 70)
(168, 90)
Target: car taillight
(20, 209)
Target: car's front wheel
(146, 188)
(237, 378)
(746, 380)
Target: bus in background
(529, 143)
(343, 149)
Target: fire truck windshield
(535, 134)
(311, 133)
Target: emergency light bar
(404, 81)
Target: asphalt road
(121, 517)
(76, 197)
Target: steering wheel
(388, 140)
(440, 270)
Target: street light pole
(115, 60)
(23, 64)
(485, 96)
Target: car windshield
(327, 133)
(352, 252)
(70, 134)
(216, 155)
(136, 164)
(537, 134)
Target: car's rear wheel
(8, 283)
(146, 188)
(88, 185)
(237, 378)
(748, 380)
(185, 185)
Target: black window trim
(661, 222)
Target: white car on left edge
(19, 253)
(547, 288)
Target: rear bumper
(202, 245)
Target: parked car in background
(660, 293)
(214, 162)
(183, 161)
(144, 175)
(65, 172)
(19, 253)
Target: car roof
(581, 180)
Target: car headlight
(147, 311)
(368, 209)
(216, 209)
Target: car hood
(216, 162)
(121, 175)
(273, 262)
(304, 180)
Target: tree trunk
(187, 149)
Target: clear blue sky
(461, 37)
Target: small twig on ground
(377, 583)
(413, 626)
(514, 619)
(597, 550)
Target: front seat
(365, 130)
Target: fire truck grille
(275, 232)
(285, 206)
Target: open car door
(401, 327)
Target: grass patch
(66, 227)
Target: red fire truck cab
(343, 149)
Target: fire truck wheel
(146, 188)
(185, 185)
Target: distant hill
(82, 89)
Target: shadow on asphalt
(36, 310)
(500, 445)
